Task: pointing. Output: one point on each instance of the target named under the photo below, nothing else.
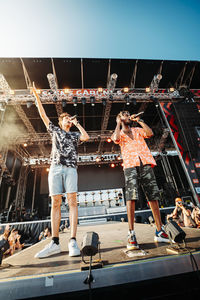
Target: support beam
(133, 78)
(58, 105)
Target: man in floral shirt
(62, 176)
(138, 162)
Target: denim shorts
(62, 180)
(144, 176)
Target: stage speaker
(90, 244)
(174, 232)
(187, 117)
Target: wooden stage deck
(22, 276)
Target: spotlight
(66, 91)
(75, 100)
(100, 90)
(90, 244)
(118, 157)
(147, 89)
(155, 82)
(172, 89)
(111, 98)
(83, 100)
(25, 145)
(134, 101)
(104, 101)
(112, 165)
(174, 232)
(127, 98)
(54, 98)
(108, 140)
(126, 90)
(29, 104)
(112, 81)
(64, 103)
(155, 100)
(47, 169)
(98, 159)
(92, 100)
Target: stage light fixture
(12, 92)
(127, 99)
(112, 81)
(90, 244)
(174, 232)
(83, 100)
(29, 104)
(104, 101)
(155, 82)
(134, 101)
(111, 97)
(100, 89)
(126, 90)
(118, 157)
(66, 91)
(112, 165)
(108, 140)
(92, 100)
(147, 89)
(98, 159)
(75, 100)
(64, 103)
(172, 89)
(25, 145)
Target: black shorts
(144, 176)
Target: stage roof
(77, 73)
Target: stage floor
(113, 237)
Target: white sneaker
(50, 249)
(73, 248)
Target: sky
(143, 29)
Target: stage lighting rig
(92, 100)
(83, 100)
(112, 82)
(155, 82)
(185, 92)
(75, 101)
(53, 85)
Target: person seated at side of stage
(196, 215)
(18, 244)
(12, 240)
(46, 233)
(182, 215)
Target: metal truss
(21, 97)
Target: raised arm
(116, 134)
(40, 107)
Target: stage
(22, 276)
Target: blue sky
(144, 29)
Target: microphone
(140, 113)
(73, 117)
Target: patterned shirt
(64, 146)
(136, 149)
